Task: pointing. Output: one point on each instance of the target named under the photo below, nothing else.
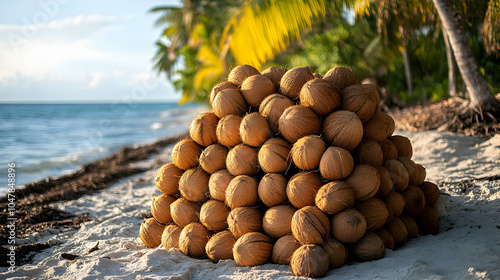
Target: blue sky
(80, 50)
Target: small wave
(156, 126)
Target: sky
(72, 50)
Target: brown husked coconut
(410, 225)
(336, 251)
(334, 197)
(421, 174)
(343, 129)
(150, 232)
(431, 193)
(428, 221)
(317, 76)
(336, 163)
(242, 220)
(242, 160)
(184, 212)
(272, 189)
(255, 88)
(391, 213)
(170, 236)
(340, 77)
(369, 152)
(218, 183)
(229, 102)
(277, 221)
(220, 246)
(365, 182)
(274, 74)
(414, 200)
(292, 81)
(379, 127)
(411, 168)
(320, 96)
(220, 87)
(272, 107)
(253, 248)
(283, 249)
(385, 181)
(228, 130)
(403, 145)
(302, 188)
(386, 238)
(254, 130)
(167, 179)
(240, 73)
(186, 154)
(362, 100)
(242, 191)
(399, 175)
(388, 149)
(310, 225)
(398, 231)
(213, 215)
(348, 226)
(202, 129)
(298, 121)
(307, 152)
(274, 156)
(193, 184)
(213, 158)
(396, 202)
(160, 208)
(193, 239)
(310, 261)
(374, 211)
(370, 247)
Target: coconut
(343, 129)
(369, 152)
(229, 102)
(301, 189)
(240, 73)
(336, 163)
(170, 236)
(310, 261)
(254, 130)
(213, 215)
(320, 96)
(202, 129)
(292, 81)
(365, 182)
(244, 219)
(388, 149)
(334, 197)
(298, 121)
(167, 179)
(220, 87)
(399, 175)
(385, 181)
(414, 200)
(362, 100)
(193, 239)
(410, 225)
(184, 212)
(255, 88)
(336, 251)
(421, 174)
(253, 248)
(274, 74)
(160, 208)
(348, 226)
(370, 247)
(283, 249)
(218, 183)
(307, 152)
(386, 238)
(340, 77)
(274, 156)
(272, 189)
(242, 160)
(213, 158)
(220, 246)
(228, 130)
(403, 145)
(186, 154)
(272, 107)
(411, 168)
(317, 76)
(391, 213)
(150, 232)
(431, 193)
(242, 191)
(374, 211)
(428, 221)
(277, 220)
(193, 184)
(379, 127)
(398, 231)
(310, 225)
(396, 202)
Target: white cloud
(95, 80)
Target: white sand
(468, 246)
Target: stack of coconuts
(291, 168)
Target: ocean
(53, 139)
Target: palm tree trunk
(409, 80)
(481, 96)
(452, 66)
